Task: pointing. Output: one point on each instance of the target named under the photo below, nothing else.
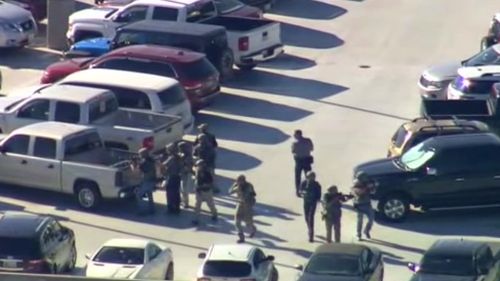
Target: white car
(131, 259)
(235, 262)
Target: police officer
(332, 212)
(203, 128)
(186, 157)
(245, 194)
(301, 150)
(205, 151)
(361, 191)
(147, 166)
(172, 175)
(311, 192)
(204, 191)
(212, 143)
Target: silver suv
(17, 26)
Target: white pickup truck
(124, 129)
(64, 158)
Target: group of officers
(186, 167)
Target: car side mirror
(202, 255)
(270, 258)
(299, 267)
(87, 256)
(411, 266)
(430, 171)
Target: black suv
(35, 244)
(441, 172)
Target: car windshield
(462, 266)
(417, 156)
(233, 269)
(468, 86)
(19, 247)
(333, 264)
(120, 255)
(196, 70)
(487, 57)
(172, 95)
(400, 137)
(225, 6)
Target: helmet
(310, 174)
(333, 189)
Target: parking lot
(348, 80)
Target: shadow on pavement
(257, 108)
(267, 244)
(288, 62)
(390, 258)
(27, 58)
(395, 246)
(266, 210)
(274, 83)
(366, 110)
(235, 161)
(299, 36)
(236, 130)
(308, 9)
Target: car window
(258, 257)
(45, 148)
(37, 109)
(133, 14)
(101, 108)
(172, 95)
(154, 251)
(400, 137)
(334, 265)
(126, 38)
(129, 98)
(81, 144)
(201, 11)
(17, 144)
(196, 70)
(28, 247)
(120, 255)
(419, 137)
(484, 258)
(487, 57)
(447, 265)
(164, 13)
(67, 112)
(149, 67)
(234, 269)
(417, 156)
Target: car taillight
(35, 265)
(243, 43)
(148, 142)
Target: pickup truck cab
(17, 26)
(103, 21)
(65, 158)
(138, 91)
(120, 128)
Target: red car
(198, 76)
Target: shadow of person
(308, 9)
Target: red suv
(196, 74)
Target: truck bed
(238, 24)
(134, 119)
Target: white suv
(17, 26)
(475, 83)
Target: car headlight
(11, 27)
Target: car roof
(232, 252)
(341, 248)
(463, 140)
(478, 71)
(454, 247)
(21, 224)
(161, 3)
(184, 28)
(157, 53)
(51, 129)
(71, 93)
(126, 243)
(121, 78)
(426, 124)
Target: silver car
(17, 26)
(434, 81)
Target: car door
(13, 160)
(47, 242)
(61, 244)
(371, 265)
(34, 111)
(262, 269)
(156, 265)
(45, 169)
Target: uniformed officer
(302, 148)
(203, 128)
(186, 156)
(361, 191)
(332, 212)
(147, 166)
(311, 192)
(245, 194)
(211, 143)
(204, 190)
(172, 175)
(205, 151)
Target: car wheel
(170, 272)
(72, 259)
(246, 67)
(88, 195)
(394, 207)
(226, 65)
(274, 274)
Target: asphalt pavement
(348, 80)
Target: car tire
(394, 207)
(274, 274)
(246, 67)
(169, 275)
(72, 261)
(87, 195)
(225, 66)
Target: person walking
(172, 175)
(203, 128)
(147, 166)
(245, 194)
(212, 144)
(204, 191)
(205, 151)
(311, 191)
(301, 150)
(332, 212)
(361, 191)
(187, 181)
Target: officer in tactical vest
(204, 190)
(311, 192)
(187, 173)
(332, 212)
(245, 194)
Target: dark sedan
(454, 260)
(343, 262)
